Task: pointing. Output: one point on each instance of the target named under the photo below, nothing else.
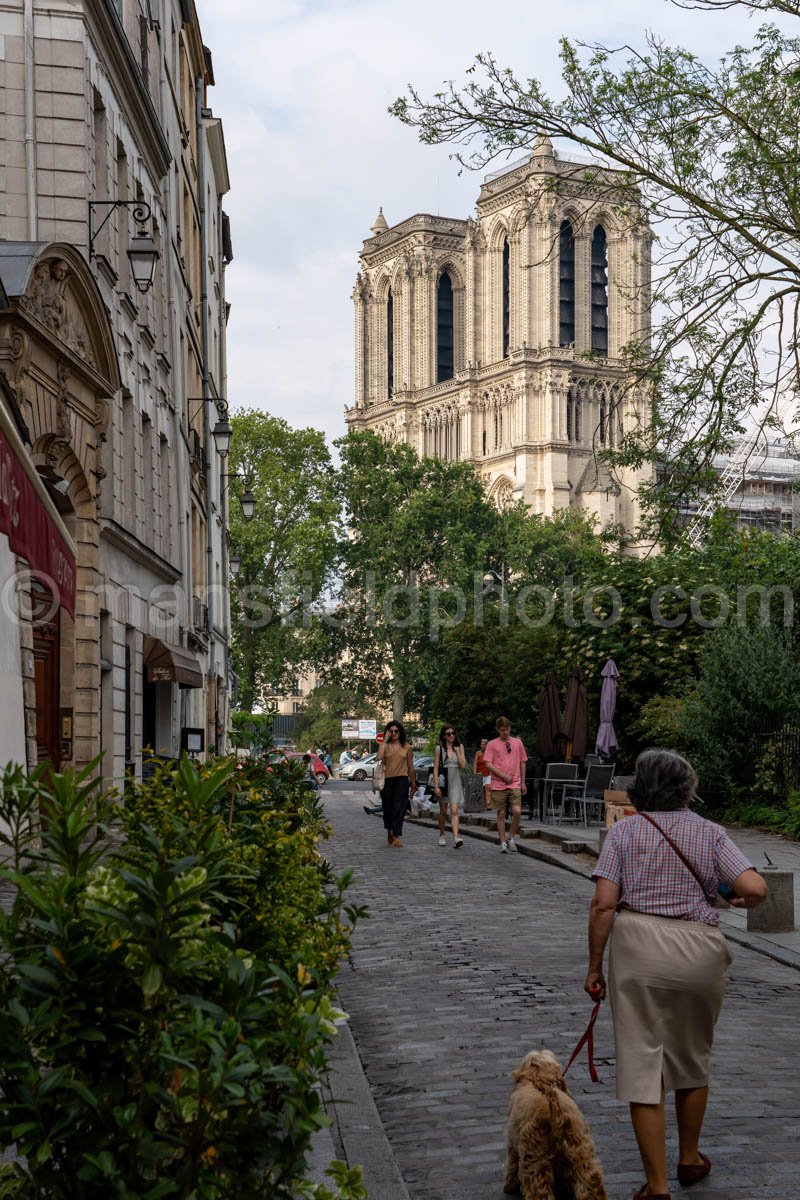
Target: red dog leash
(587, 1040)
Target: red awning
(31, 531)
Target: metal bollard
(776, 914)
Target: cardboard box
(617, 806)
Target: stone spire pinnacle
(543, 148)
(380, 225)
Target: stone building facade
(499, 339)
(116, 391)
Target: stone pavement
(471, 958)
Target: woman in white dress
(448, 763)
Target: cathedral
(500, 340)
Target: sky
(303, 87)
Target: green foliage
(321, 721)
(151, 1043)
(416, 527)
(485, 672)
(749, 684)
(287, 550)
(252, 731)
(662, 722)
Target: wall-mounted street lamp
(234, 563)
(247, 500)
(142, 252)
(248, 503)
(222, 432)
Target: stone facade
(105, 101)
(499, 340)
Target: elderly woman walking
(657, 882)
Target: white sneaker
(503, 848)
(512, 845)
(442, 840)
(458, 843)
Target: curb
(357, 1134)
(522, 846)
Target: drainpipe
(30, 126)
(210, 449)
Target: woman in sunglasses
(448, 763)
(398, 762)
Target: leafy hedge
(165, 992)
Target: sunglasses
(449, 733)
(508, 747)
(394, 731)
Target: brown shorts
(503, 796)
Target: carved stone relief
(50, 301)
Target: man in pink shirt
(505, 756)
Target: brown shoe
(689, 1173)
(389, 837)
(643, 1194)
(398, 842)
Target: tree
(485, 671)
(711, 158)
(287, 550)
(419, 533)
(321, 722)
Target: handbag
(379, 777)
(724, 896)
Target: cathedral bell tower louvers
(499, 340)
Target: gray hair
(664, 781)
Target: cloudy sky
(303, 87)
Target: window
(601, 429)
(599, 291)
(444, 328)
(144, 48)
(566, 279)
(569, 416)
(506, 299)
(390, 343)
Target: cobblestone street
(471, 958)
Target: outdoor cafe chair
(556, 777)
(588, 793)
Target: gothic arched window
(566, 283)
(444, 328)
(390, 343)
(601, 429)
(506, 298)
(569, 415)
(599, 291)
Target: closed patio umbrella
(575, 725)
(606, 737)
(549, 724)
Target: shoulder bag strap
(679, 852)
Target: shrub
(150, 1045)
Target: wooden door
(46, 655)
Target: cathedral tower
(499, 340)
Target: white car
(359, 769)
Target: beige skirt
(666, 981)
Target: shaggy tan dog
(551, 1155)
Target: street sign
(350, 728)
(367, 729)
(379, 738)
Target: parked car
(422, 768)
(321, 772)
(359, 769)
